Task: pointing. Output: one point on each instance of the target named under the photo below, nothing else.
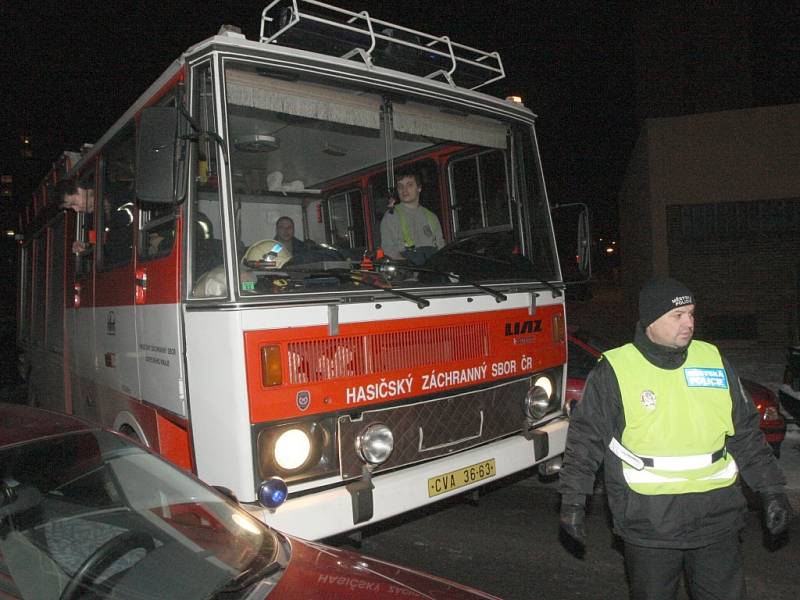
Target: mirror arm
(202, 133)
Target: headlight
(546, 384)
(297, 451)
(375, 444)
(292, 449)
(539, 398)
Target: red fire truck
(322, 380)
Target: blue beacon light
(273, 492)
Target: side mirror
(573, 240)
(155, 158)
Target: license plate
(447, 482)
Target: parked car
(583, 353)
(789, 392)
(85, 512)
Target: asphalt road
(507, 543)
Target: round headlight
(292, 449)
(375, 444)
(538, 398)
(545, 383)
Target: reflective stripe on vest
(407, 239)
(664, 463)
(675, 419)
(647, 479)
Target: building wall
(726, 156)
(746, 289)
(723, 194)
(636, 222)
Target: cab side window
(479, 186)
(157, 235)
(346, 223)
(116, 209)
(84, 224)
(204, 231)
(156, 221)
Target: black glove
(572, 522)
(777, 512)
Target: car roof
(19, 424)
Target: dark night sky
(70, 69)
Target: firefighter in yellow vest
(408, 229)
(669, 419)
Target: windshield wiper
(384, 283)
(556, 291)
(368, 278)
(256, 571)
(371, 279)
(499, 296)
(245, 579)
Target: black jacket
(672, 520)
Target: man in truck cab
(408, 229)
(73, 196)
(284, 233)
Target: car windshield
(326, 181)
(91, 514)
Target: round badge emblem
(649, 399)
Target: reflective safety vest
(408, 241)
(676, 422)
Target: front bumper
(329, 512)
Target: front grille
(437, 427)
(321, 360)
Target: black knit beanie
(659, 296)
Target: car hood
(318, 571)
(19, 424)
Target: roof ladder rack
(319, 27)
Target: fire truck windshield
(328, 182)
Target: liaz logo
(523, 327)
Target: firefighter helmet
(266, 255)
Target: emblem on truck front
(521, 327)
(303, 400)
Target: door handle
(141, 285)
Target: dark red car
(583, 354)
(86, 513)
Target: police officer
(668, 417)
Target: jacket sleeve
(592, 424)
(756, 462)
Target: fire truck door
(80, 313)
(80, 347)
(158, 316)
(115, 334)
(114, 313)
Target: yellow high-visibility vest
(408, 241)
(676, 422)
